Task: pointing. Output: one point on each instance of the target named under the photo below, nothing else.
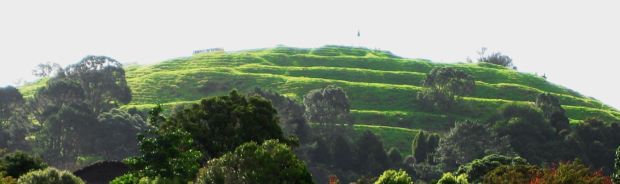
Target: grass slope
(381, 86)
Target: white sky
(575, 43)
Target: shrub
(570, 172)
(49, 176)
(478, 168)
(270, 162)
(394, 177)
(495, 58)
(511, 174)
(18, 163)
(448, 178)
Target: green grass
(382, 87)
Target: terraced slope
(381, 86)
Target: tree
(512, 174)
(68, 133)
(328, 107)
(570, 172)
(290, 112)
(448, 178)
(47, 69)
(530, 135)
(320, 152)
(220, 124)
(270, 162)
(598, 141)
(395, 158)
(423, 145)
(616, 175)
(371, 157)
(478, 168)
(343, 153)
(14, 122)
(394, 177)
(49, 176)
(443, 85)
(103, 81)
(494, 58)
(18, 163)
(167, 153)
(553, 111)
(117, 136)
(467, 141)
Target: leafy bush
(49, 176)
(166, 153)
(270, 162)
(443, 85)
(495, 58)
(468, 141)
(478, 168)
(448, 178)
(570, 172)
(423, 145)
(18, 163)
(511, 174)
(394, 177)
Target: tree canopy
(328, 107)
(442, 87)
(394, 177)
(269, 162)
(220, 124)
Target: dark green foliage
(18, 163)
(371, 159)
(343, 153)
(570, 172)
(117, 135)
(68, 133)
(220, 124)
(49, 176)
(495, 58)
(616, 175)
(553, 111)
(512, 174)
(450, 80)
(427, 172)
(167, 153)
(395, 158)
(320, 152)
(448, 178)
(270, 162)
(126, 179)
(530, 135)
(394, 177)
(468, 141)
(10, 99)
(423, 145)
(598, 142)
(328, 107)
(478, 168)
(14, 123)
(291, 114)
(442, 87)
(103, 81)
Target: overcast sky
(575, 43)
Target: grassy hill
(382, 87)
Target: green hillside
(382, 87)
